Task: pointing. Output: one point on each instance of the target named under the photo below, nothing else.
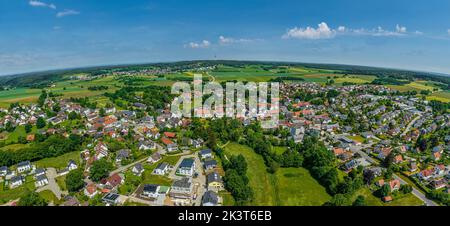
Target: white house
(154, 158)
(41, 181)
(3, 171)
(147, 145)
(138, 169)
(72, 165)
(16, 181)
(24, 166)
(206, 153)
(151, 191)
(161, 169)
(187, 167)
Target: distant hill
(45, 77)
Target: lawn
(60, 161)
(279, 150)
(296, 187)
(399, 199)
(50, 197)
(260, 181)
(357, 138)
(61, 181)
(289, 186)
(7, 194)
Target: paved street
(52, 185)
(410, 124)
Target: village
(367, 127)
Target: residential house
(209, 164)
(113, 181)
(172, 147)
(39, 172)
(210, 198)
(111, 198)
(137, 169)
(151, 191)
(41, 181)
(16, 181)
(438, 184)
(146, 145)
(214, 181)
(122, 155)
(182, 188)
(72, 165)
(3, 171)
(161, 169)
(205, 153)
(186, 167)
(24, 166)
(155, 157)
(90, 190)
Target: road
(52, 185)
(410, 124)
(123, 168)
(415, 192)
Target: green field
(60, 161)
(289, 186)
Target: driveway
(52, 185)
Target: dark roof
(210, 197)
(187, 163)
(205, 151)
(41, 177)
(111, 197)
(138, 167)
(39, 171)
(213, 177)
(25, 163)
(210, 162)
(16, 178)
(3, 168)
(162, 166)
(152, 188)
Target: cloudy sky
(53, 34)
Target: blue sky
(52, 34)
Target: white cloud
(203, 44)
(400, 29)
(227, 40)
(67, 12)
(36, 3)
(321, 32)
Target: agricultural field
(289, 186)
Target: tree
(337, 200)
(385, 190)
(360, 201)
(73, 115)
(74, 180)
(32, 198)
(100, 169)
(40, 123)
(28, 127)
(406, 188)
(102, 112)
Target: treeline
(97, 88)
(236, 180)
(53, 146)
(286, 78)
(391, 81)
(155, 97)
